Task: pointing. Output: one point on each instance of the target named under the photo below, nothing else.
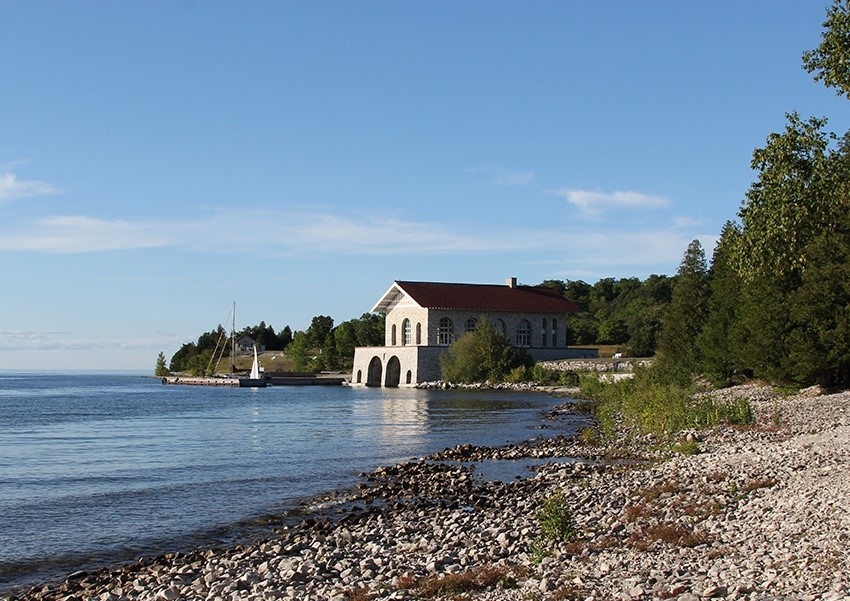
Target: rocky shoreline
(759, 513)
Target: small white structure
(424, 318)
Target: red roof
(487, 297)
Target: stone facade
(416, 335)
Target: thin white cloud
(515, 179)
(80, 234)
(592, 202)
(504, 177)
(574, 247)
(46, 340)
(12, 188)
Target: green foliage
(556, 520)
(517, 375)
(299, 351)
(161, 369)
(658, 401)
(830, 62)
(721, 341)
(796, 197)
(626, 312)
(819, 344)
(481, 355)
(687, 312)
(320, 328)
(686, 447)
(265, 337)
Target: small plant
(358, 594)
(686, 447)
(517, 374)
(476, 579)
(556, 519)
(672, 534)
(539, 551)
(758, 483)
(589, 437)
(569, 593)
(635, 512)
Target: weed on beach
(476, 579)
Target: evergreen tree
(819, 344)
(721, 341)
(161, 369)
(285, 337)
(686, 314)
(299, 351)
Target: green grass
(656, 403)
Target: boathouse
(424, 318)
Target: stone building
(424, 318)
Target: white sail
(255, 369)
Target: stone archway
(393, 372)
(374, 376)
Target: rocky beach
(761, 512)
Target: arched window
(470, 324)
(500, 325)
(406, 339)
(392, 336)
(418, 333)
(409, 377)
(544, 331)
(554, 332)
(445, 332)
(523, 334)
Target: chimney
(511, 282)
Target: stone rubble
(759, 513)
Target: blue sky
(161, 160)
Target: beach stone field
(760, 512)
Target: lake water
(100, 469)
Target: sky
(161, 160)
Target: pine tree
(721, 341)
(685, 317)
(161, 369)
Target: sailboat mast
(233, 341)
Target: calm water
(98, 469)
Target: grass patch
(476, 579)
(672, 534)
(757, 484)
(358, 594)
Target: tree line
(775, 301)
(322, 346)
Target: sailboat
(255, 380)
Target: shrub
(556, 519)
(481, 355)
(655, 403)
(518, 374)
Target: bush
(556, 519)
(518, 374)
(654, 403)
(481, 355)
